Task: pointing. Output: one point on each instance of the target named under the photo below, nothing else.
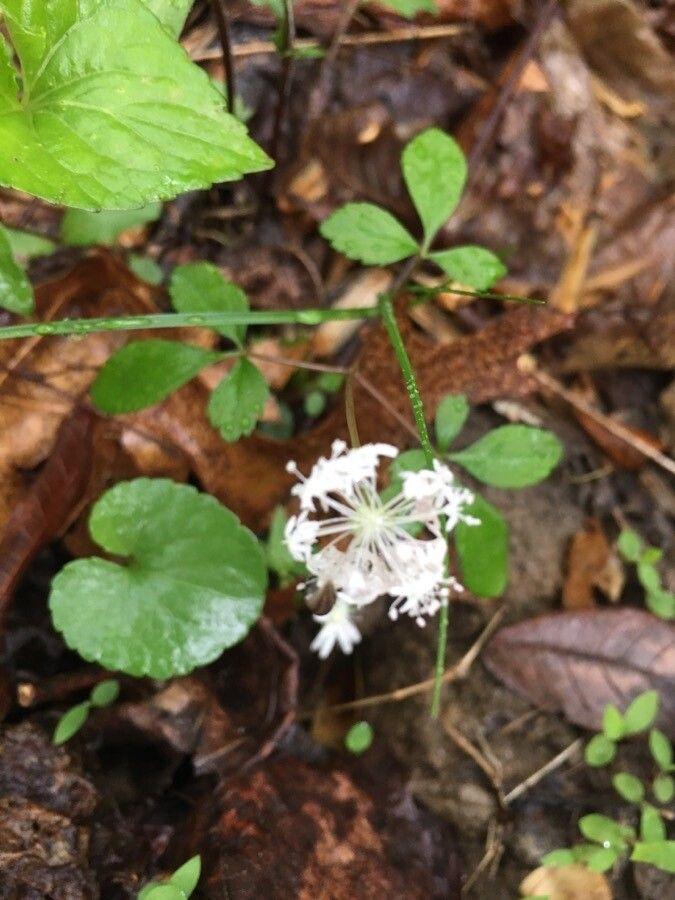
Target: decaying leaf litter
(566, 116)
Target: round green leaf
(483, 550)
(472, 266)
(601, 829)
(187, 877)
(193, 583)
(359, 738)
(81, 228)
(630, 545)
(664, 788)
(641, 712)
(105, 692)
(512, 456)
(652, 826)
(451, 414)
(369, 234)
(71, 722)
(143, 373)
(145, 268)
(629, 787)
(562, 857)
(200, 287)
(237, 403)
(314, 403)
(111, 112)
(434, 169)
(600, 859)
(16, 293)
(661, 748)
(599, 751)
(612, 723)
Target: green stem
(185, 320)
(391, 325)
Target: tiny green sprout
(613, 725)
(314, 403)
(661, 749)
(652, 827)
(600, 751)
(663, 788)
(359, 738)
(641, 712)
(103, 694)
(658, 600)
(180, 886)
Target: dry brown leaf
(579, 662)
(364, 290)
(591, 563)
(618, 451)
(566, 883)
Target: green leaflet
(512, 456)
(16, 293)
(192, 585)
(474, 266)
(368, 233)
(143, 373)
(236, 404)
(200, 287)
(82, 228)
(115, 122)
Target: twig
(528, 364)
(474, 753)
(225, 35)
(494, 848)
(455, 673)
(550, 766)
(368, 38)
(287, 45)
(350, 412)
(320, 92)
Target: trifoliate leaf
(105, 692)
(143, 373)
(193, 583)
(81, 228)
(612, 723)
(111, 113)
(630, 545)
(512, 456)
(359, 738)
(237, 403)
(628, 786)
(602, 829)
(599, 751)
(652, 827)
(661, 748)
(187, 877)
(657, 853)
(641, 712)
(369, 234)
(200, 287)
(663, 787)
(71, 722)
(482, 550)
(434, 169)
(16, 293)
(451, 414)
(473, 266)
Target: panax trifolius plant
(187, 579)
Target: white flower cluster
(364, 547)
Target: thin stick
(368, 38)
(225, 35)
(456, 673)
(607, 422)
(550, 766)
(286, 49)
(350, 412)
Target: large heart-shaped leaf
(192, 585)
(110, 112)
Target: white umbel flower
(337, 627)
(350, 538)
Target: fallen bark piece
(292, 830)
(579, 662)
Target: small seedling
(104, 694)
(359, 738)
(633, 549)
(608, 841)
(179, 886)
